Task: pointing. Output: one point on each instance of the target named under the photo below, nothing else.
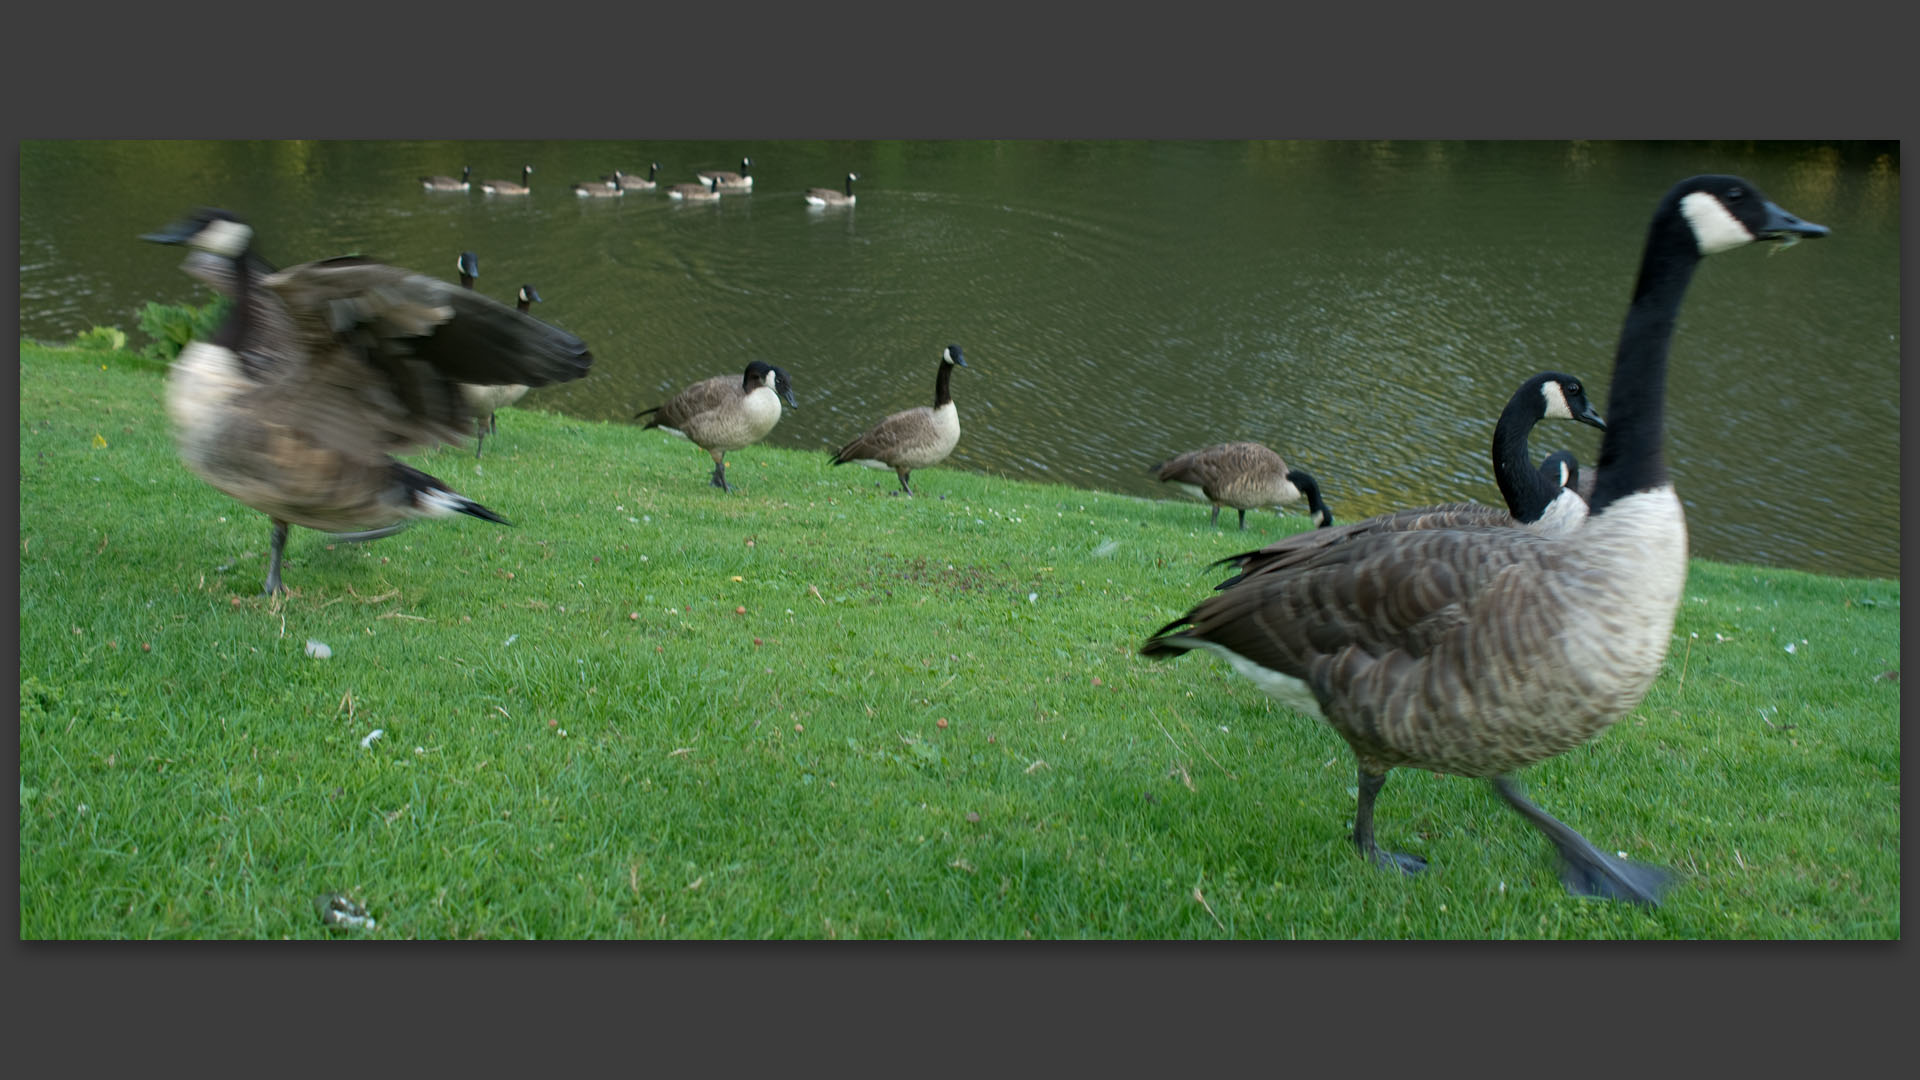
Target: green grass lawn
(815, 709)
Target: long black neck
(1632, 455)
(525, 304)
(942, 394)
(1526, 494)
(232, 334)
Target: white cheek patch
(1556, 400)
(1715, 229)
(227, 238)
(1565, 474)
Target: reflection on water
(1363, 308)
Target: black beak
(177, 233)
(1779, 225)
(1587, 415)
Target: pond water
(1364, 308)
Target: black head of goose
(725, 412)
(448, 183)
(322, 371)
(725, 180)
(1477, 651)
(636, 183)
(826, 196)
(913, 438)
(508, 187)
(1245, 476)
(1561, 471)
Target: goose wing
(1292, 550)
(888, 436)
(702, 397)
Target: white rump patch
(1556, 397)
(1285, 689)
(1715, 229)
(871, 464)
(438, 503)
(1191, 490)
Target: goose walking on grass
(508, 187)
(448, 183)
(913, 438)
(1245, 476)
(1479, 651)
(826, 196)
(322, 371)
(725, 413)
(487, 400)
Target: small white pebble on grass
(1033, 598)
(376, 733)
(318, 649)
(1789, 646)
(511, 638)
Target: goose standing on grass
(723, 180)
(704, 191)
(1480, 651)
(601, 189)
(508, 187)
(914, 438)
(1243, 475)
(725, 413)
(321, 371)
(448, 183)
(826, 196)
(486, 401)
(636, 183)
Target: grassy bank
(812, 709)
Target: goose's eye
(1573, 388)
(1736, 194)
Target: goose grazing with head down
(725, 413)
(1245, 476)
(914, 438)
(826, 196)
(601, 189)
(704, 191)
(322, 371)
(636, 183)
(1479, 651)
(508, 187)
(448, 183)
(724, 180)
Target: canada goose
(729, 181)
(486, 401)
(508, 187)
(1536, 499)
(1243, 475)
(826, 196)
(725, 413)
(1480, 651)
(322, 370)
(635, 183)
(1562, 468)
(600, 189)
(448, 183)
(704, 191)
(915, 438)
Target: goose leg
(1243, 521)
(273, 566)
(1215, 519)
(720, 470)
(904, 473)
(1370, 785)
(1585, 869)
(479, 436)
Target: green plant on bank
(817, 709)
(101, 339)
(171, 326)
